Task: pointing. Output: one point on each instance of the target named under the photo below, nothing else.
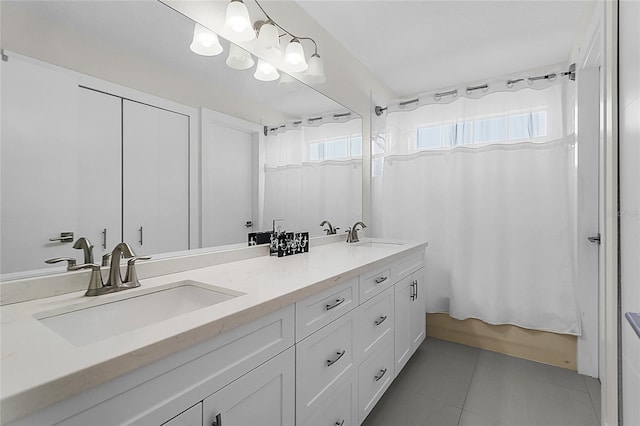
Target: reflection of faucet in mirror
(352, 236)
(71, 262)
(331, 230)
(85, 245)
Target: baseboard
(541, 346)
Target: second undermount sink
(89, 324)
(378, 244)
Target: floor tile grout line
(466, 395)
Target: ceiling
(416, 46)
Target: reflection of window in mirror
(348, 146)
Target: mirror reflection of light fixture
(205, 42)
(294, 56)
(315, 72)
(286, 79)
(265, 71)
(237, 23)
(239, 58)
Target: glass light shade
(237, 22)
(239, 58)
(205, 42)
(294, 57)
(315, 72)
(269, 41)
(265, 71)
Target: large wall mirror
(114, 130)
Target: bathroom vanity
(309, 339)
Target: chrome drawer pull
(380, 280)
(340, 355)
(380, 321)
(382, 373)
(338, 303)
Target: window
(504, 128)
(337, 148)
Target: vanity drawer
(322, 361)
(341, 408)
(374, 377)
(374, 321)
(318, 310)
(374, 282)
(407, 265)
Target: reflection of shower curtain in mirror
(498, 212)
(304, 188)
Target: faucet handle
(131, 277)
(95, 281)
(105, 259)
(71, 262)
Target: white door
(263, 397)
(588, 142)
(100, 178)
(227, 184)
(39, 163)
(155, 179)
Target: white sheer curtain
(499, 216)
(304, 192)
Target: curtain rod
(571, 73)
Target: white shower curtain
(499, 218)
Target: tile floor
(448, 384)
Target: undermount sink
(89, 324)
(378, 244)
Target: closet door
(39, 163)
(155, 179)
(100, 166)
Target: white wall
(629, 133)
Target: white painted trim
(610, 397)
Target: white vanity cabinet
(410, 327)
(190, 417)
(263, 397)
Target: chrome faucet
(352, 233)
(331, 230)
(87, 249)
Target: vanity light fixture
(239, 58)
(265, 71)
(294, 56)
(238, 28)
(268, 39)
(237, 23)
(315, 72)
(205, 42)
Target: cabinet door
(418, 310)
(100, 182)
(191, 417)
(403, 334)
(410, 329)
(155, 179)
(263, 397)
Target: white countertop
(39, 367)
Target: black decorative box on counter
(289, 243)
